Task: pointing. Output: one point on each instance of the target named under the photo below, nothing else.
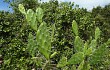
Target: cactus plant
(86, 54)
(42, 34)
(43, 39)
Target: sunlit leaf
(78, 44)
(52, 55)
(34, 22)
(75, 27)
(76, 58)
(39, 14)
(62, 62)
(29, 15)
(22, 9)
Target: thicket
(54, 36)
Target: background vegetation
(14, 32)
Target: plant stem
(47, 61)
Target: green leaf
(86, 66)
(76, 58)
(73, 67)
(78, 44)
(31, 18)
(39, 14)
(97, 33)
(34, 22)
(75, 27)
(93, 45)
(62, 62)
(99, 55)
(88, 51)
(108, 42)
(22, 9)
(85, 47)
(43, 40)
(31, 46)
(29, 15)
(44, 51)
(80, 67)
(7, 62)
(52, 55)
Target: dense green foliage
(53, 35)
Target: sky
(89, 4)
(4, 6)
